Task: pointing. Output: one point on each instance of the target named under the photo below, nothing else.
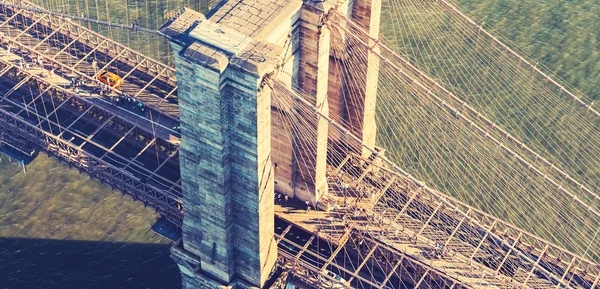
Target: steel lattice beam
(77, 156)
(28, 75)
(93, 166)
(123, 55)
(480, 217)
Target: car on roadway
(337, 283)
(109, 78)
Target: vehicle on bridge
(109, 78)
(339, 283)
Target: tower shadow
(49, 264)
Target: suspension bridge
(292, 145)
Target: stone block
(225, 155)
(176, 27)
(258, 59)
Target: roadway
(88, 132)
(83, 53)
(392, 215)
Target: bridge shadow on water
(49, 264)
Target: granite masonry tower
(234, 154)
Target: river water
(47, 263)
(59, 229)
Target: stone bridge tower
(233, 151)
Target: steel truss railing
(564, 265)
(47, 134)
(536, 247)
(53, 27)
(90, 165)
(300, 260)
(108, 116)
(93, 37)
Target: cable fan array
(434, 134)
(392, 208)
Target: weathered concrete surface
(252, 17)
(312, 78)
(361, 111)
(226, 167)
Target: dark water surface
(59, 229)
(48, 264)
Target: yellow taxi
(110, 79)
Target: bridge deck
(87, 131)
(131, 148)
(73, 48)
(415, 225)
(331, 228)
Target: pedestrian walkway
(359, 198)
